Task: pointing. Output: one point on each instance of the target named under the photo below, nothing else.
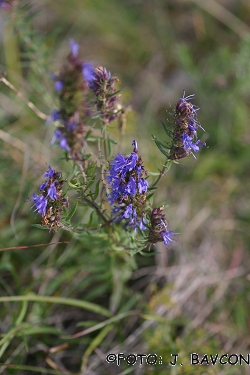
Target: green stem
(165, 169)
(105, 142)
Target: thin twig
(96, 208)
(40, 114)
(30, 246)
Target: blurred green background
(193, 297)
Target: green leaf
(112, 141)
(94, 344)
(71, 213)
(161, 146)
(88, 134)
(122, 314)
(44, 330)
(160, 143)
(91, 218)
(153, 174)
(149, 196)
(150, 188)
(88, 323)
(72, 172)
(114, 94)
(60, 300)
(96, 190)
(168, 132)
(148, 254)
(39, 226)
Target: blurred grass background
(193, 297)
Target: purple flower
(128, 212)
(58, 86)
(52, 191)
(51, 196)
(55, 115)
(40, 204)
(166, 235)
(188, 144)
(64, 144)
(131, 161)
(192, 126)
(142, 185)
(74, 47)
(118, 165)
(43, 186)
(133, 219)
(141, 225)
(131, 186)
(70, 126)
(50, 172)
(114, 196)
(62, 140)
(127, 188)
(88, 72)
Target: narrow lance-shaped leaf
(160, 146)
(72, 212)
(168, 132)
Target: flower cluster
(72, 85)
(49, 204)
(159, 228)
(128, 189)
(185, 130)
(103, 86)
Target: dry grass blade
(225, 16)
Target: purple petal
(64, 144)
(58, 86)
(74, 47)
(50, 172)
(131, 186)
(52, 191)
(40, 204)
(166, 235)
(131, 161)
(128, 212)
(141, 225)
(88, 72)
(142, 185)
(43, 186)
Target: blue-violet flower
(49, 204)
(128, 188)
